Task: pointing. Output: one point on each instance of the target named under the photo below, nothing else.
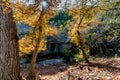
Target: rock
(24, 65)
(42, 53)
(96, 78)
(108, 78)
(62, 68)
(92, 75)
(118, 77)
(22, 61)
(22, 28)
(63, 64)
(118, 66)
(51, 62)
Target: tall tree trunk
(9, 57)
(32, 73)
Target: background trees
(105, 37)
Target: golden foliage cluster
(35, 19)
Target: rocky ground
(98, 69)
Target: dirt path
(99, 69)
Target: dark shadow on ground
(108, 66)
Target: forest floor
(98, 69)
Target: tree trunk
(81, 47)
(32, 72)
(9, 57)
(84, 56)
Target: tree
(37, 17)
(32, 73)
(85, 12)
(9, 54)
